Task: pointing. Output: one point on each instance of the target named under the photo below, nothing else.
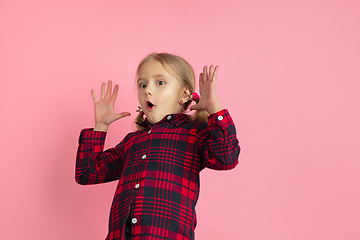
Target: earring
(140, 110)
(181, 102)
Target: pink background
(289, 74)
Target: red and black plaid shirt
(158, 172)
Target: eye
(142, 85)
(160, 82)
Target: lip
(151, 106)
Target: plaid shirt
(158, 172)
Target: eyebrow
(159, 75)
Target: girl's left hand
(208, 97)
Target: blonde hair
(182, 70)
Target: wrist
(214, 108)
(101, 127)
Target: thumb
(194, 107)
(121, 115)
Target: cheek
(139, 92)
(171, 100)
(139, 96)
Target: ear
(185, 95)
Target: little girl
(158, 166)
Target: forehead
(152, 68)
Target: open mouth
(150, 105)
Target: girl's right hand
(104, 108)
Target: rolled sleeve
(90, 136)
(219, 144)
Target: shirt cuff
(221, 118)
(89, 135)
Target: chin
(151, 120)
(154, 120)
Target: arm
(92, 164)
(218, 143)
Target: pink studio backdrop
(289, 74)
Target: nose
(148, 90)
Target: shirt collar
(176, 119)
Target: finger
(196, 107)
(115, 93)
(124, 114)
(211, 72)
(108, 92)
(205, 74)
(215, 73)
(201, 81)
(102, 95)
(93, 95)
(193, 107)
(121, 115)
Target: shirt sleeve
(92, 164)
(218, 143)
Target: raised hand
(104, 108)
(208, 97)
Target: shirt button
(149, 131)
(168, 117)
(134, 220)
(137, 185)
(220, 118)
(143, 156)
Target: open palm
(104, 108)
(208, 96)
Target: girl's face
(159, 92)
